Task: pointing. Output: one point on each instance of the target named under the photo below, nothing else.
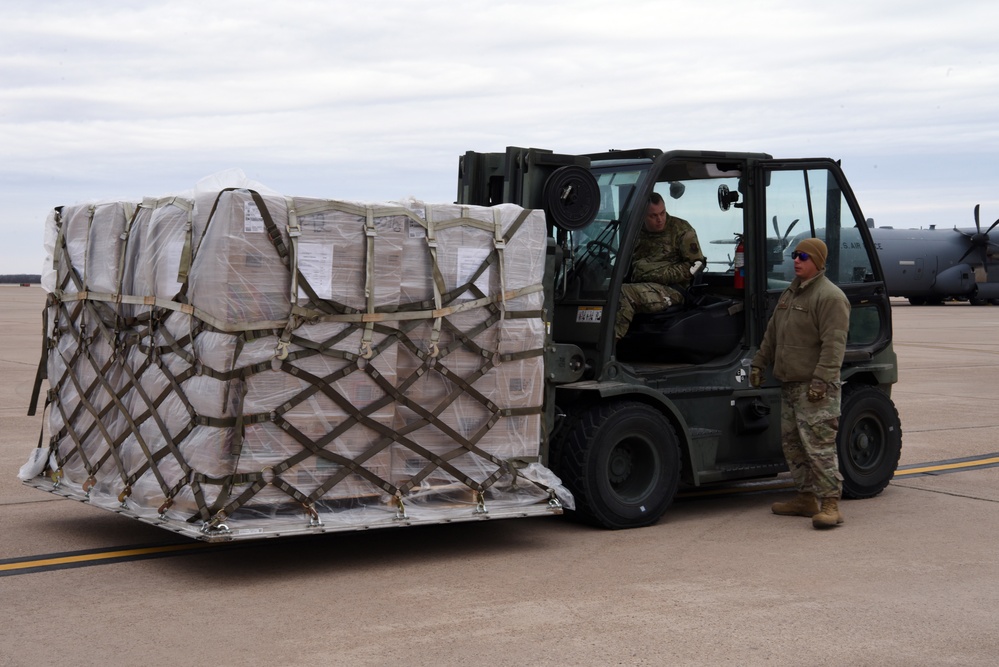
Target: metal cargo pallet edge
(266, 528)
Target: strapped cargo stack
(236, 364)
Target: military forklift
(670, 404)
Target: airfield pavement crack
(948, 428)
(905, 485)
(29, 502)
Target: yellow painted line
(761, 485)
(976, 463)
(103, 555)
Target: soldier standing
(666, 256)
(805, 341)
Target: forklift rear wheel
(869, 442)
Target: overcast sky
(376, 100)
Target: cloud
(354, 100)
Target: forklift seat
(687, 333)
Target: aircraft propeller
(978, 241)
(782, 240)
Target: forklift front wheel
(622, 463)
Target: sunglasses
(803, 256)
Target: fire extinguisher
(740, 263)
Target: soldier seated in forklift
(660, 317)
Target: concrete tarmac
(911, 577)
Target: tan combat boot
(804, 504)
(829, 516)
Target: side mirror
(726, 197)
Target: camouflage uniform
(808, 436)
(661, 260)
(805, 340)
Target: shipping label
(315, 262)
(253, 222)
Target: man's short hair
(655, 198)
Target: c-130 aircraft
(929, 266)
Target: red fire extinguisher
(739, 265)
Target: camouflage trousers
(642, 298)
(808, 436)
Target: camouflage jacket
(666, 257)
(806, 336)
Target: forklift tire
(621, 461)
(869, 442)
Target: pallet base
(323, 522)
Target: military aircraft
(926, 266)
(929, 266)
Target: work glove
(817, 390)
(756, 376)
(696, 267)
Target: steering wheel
(593, 246)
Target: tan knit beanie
(816, 249)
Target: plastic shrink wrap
(234, 362)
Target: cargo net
(234, 356)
